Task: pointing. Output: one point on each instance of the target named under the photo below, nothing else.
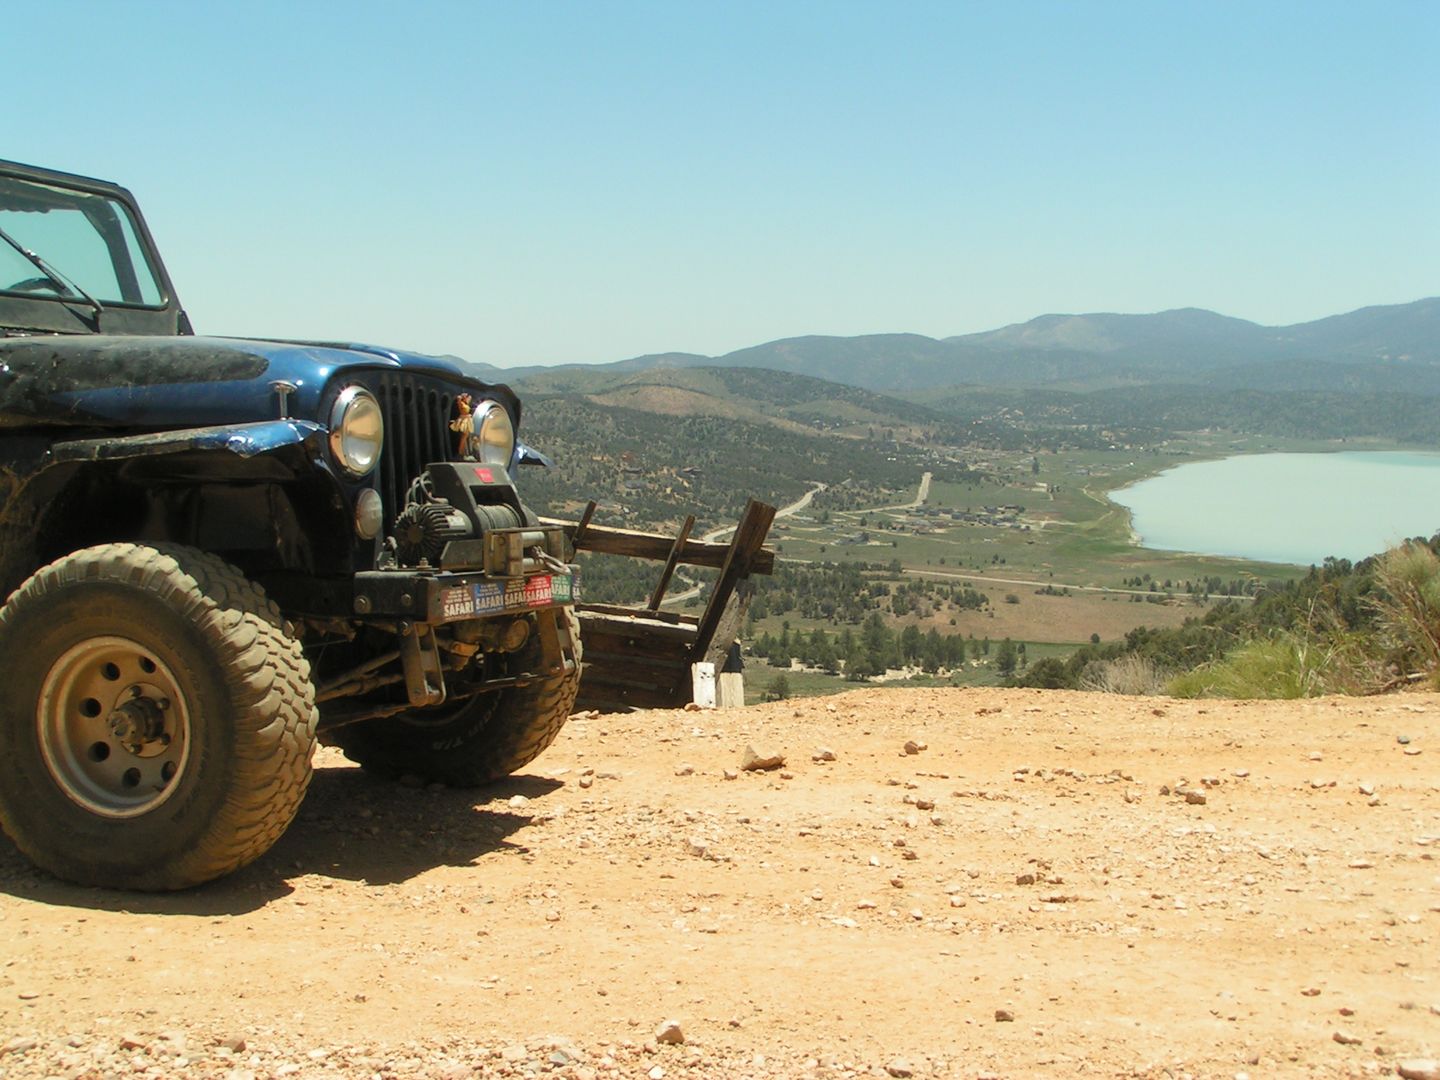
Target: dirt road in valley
(1047, 883)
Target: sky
(538, 183)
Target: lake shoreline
(1265, 506)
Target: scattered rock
(731, 774)
(913, 746)
(19, 1046)
(1403, 740)
(1004, 1016)
(669, 1033)
(761, 760)
(1195, 798)
(1367, 789)
(899, 1068)
(235, 1044)
(1344, 1038)
(1024, 879)
(823, 754)
(685, 770)
(1419, 1069)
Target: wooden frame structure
(641, 657)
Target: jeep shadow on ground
(351, 827)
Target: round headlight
(494, 434)
(357, 430)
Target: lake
(1288, 508)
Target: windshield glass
(88, 239)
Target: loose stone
(761, 760)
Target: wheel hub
(139, 724)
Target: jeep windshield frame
(114, 283)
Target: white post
(702, 681)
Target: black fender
(242, 440)
(262, 494)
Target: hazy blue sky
(542, 182)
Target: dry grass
(1130, 674)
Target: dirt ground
(1049, 884)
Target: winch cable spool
(429, 522)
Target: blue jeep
(218, 550)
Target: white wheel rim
(114, 727)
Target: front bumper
(438, 597)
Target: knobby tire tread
(265, 675)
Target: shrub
(1407, 607)
(1128, 674)
(1282, 666)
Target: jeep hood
(162, 382)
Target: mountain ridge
(1075, 351)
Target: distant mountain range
(1389, 348)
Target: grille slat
(417, 432)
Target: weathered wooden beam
(746, 546)
(669, 571)
(676, 618)
(607, 540)
(641, 658)
(577, 537)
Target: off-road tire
(209, 636)
(482, 739)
